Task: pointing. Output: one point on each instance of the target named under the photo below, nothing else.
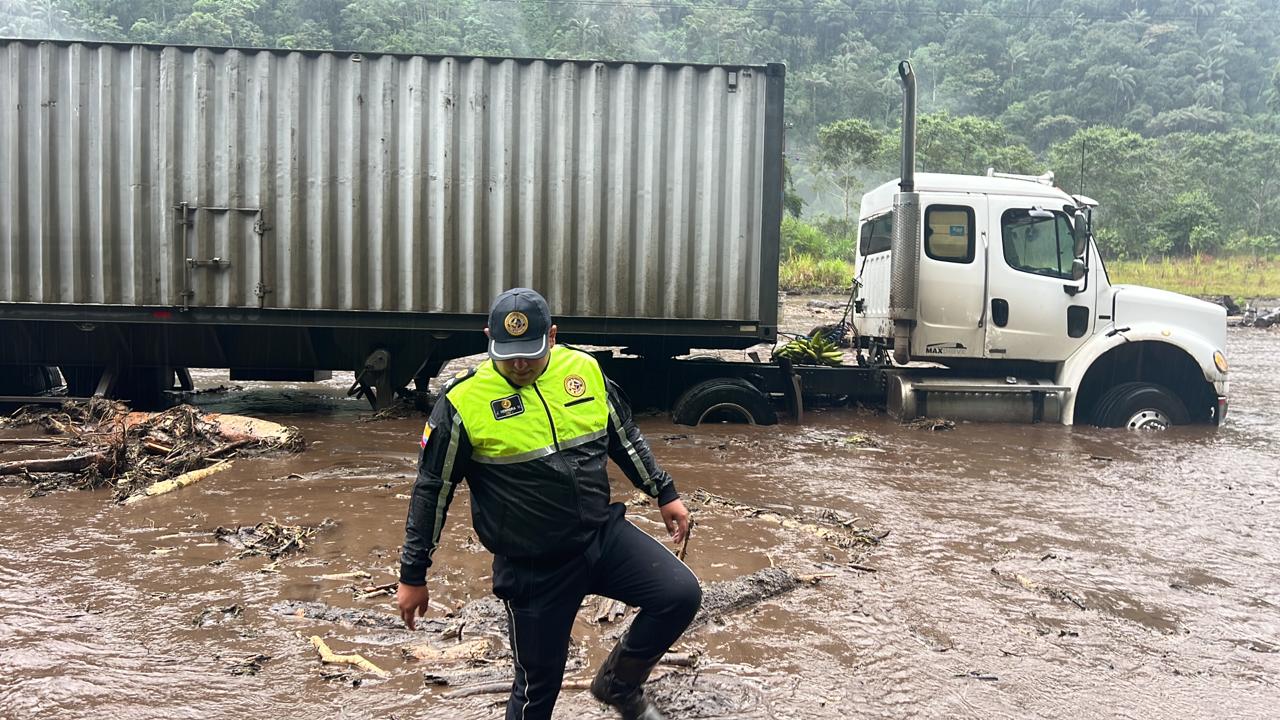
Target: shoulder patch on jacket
(458, 377)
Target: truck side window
(1036, 242)
(876, 235)
(948, 233)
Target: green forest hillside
(1166, 111)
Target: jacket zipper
(555, 438)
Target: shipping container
(215, 207)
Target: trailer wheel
(1140, 406)
(28, 380)
(724, 400)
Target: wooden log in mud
(235, 428)
(177, 483)
(329, 657)
(70, 463)
(839, 533)
(470, 651)
(723, 597)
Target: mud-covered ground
(1028, 571)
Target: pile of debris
(138, 454)
(1263, 318)
(467, 651)
(269, 538)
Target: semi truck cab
(1010, 305)
(991, 293)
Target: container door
(952, 278)
(222, 254)
(1031, 314)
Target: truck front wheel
(1140, 406)
(724, 400)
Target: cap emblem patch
(575, 385)
(517, 324)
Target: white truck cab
(997, 283)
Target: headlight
(1221, 361)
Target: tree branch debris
(137, 453)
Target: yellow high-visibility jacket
(534, 457)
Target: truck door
(1030, 314)
(952, 277)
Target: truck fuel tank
(1014, 400)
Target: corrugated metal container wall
(396, 183)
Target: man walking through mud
(531, 431)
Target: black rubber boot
(620, 684)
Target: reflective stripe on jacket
(534, 458)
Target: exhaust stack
(904, 265)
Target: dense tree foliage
(1171, 107)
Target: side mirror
(1081, 235)
(1079, 269)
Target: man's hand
(412, 600)
(676, 518)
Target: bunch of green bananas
(816, 350)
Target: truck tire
(724, 400)
(28, 380)
(1140, 406)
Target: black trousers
(542, 598)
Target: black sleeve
(629, 450)
(446, 450)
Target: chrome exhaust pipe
(904, 264)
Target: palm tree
(1210, 94)
(1016, 54)
(1124, 83)
(1201, 9)
(583, 28)
(815, 78)
(1210, 68)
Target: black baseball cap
(518, 323)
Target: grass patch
(1239, 277)
(807, 273)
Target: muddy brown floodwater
(1029, 571)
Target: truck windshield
(1040, 245)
